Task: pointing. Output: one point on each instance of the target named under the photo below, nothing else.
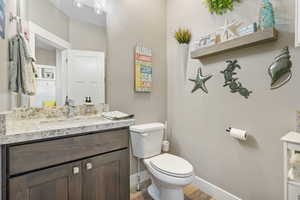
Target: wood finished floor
(191, 193)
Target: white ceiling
(83, 14)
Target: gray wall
(46, 15)
(132, 22)
(45, 57)
(253, 169)
(84, 36)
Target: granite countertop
(30, 130)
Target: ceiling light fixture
(77, 3)
(99, 6)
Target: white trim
(297, 24)
(37, 31)
(213, 190)
(134, 177)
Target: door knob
(89, 166)
(76, 170)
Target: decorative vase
(266, 15)
(183, 56)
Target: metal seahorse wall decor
(280, 70)
(232, 82)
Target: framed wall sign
(143, 69)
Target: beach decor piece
(200, 81)
(233, 83)
(280, 70)
(266, 15)
(2, 19)
(230, 30)
(252, 28)
(143, 69)
(220, 7)
(208, 40)
(183, 37)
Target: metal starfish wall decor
(233, 83)
(200, 81)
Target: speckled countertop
(30, 130)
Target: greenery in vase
(220, 7)
(183, 36)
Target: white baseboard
(134, 178)
(213, 190)
(209, 188)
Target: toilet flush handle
(144, 134)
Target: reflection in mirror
(68, 40)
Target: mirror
(68, 40)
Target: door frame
(36, 31)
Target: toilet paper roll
(165, 146)
(238, 134)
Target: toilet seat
(172, 165)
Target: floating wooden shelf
(240, 42)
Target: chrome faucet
(69, 104)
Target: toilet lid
(172, 165)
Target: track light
(99, 7)
(78, 3)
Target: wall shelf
(252, 39)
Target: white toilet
(169, 173)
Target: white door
(86, 76)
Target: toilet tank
(147, 139)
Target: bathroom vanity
(72, 161)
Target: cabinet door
(56, 183)
(106, 177)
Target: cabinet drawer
(24, 158)
(293, 191)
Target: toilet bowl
(169, 173)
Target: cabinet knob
(89, 166)
(76, 170)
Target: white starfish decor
(230, 29)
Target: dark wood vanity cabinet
(106, 177)
(102, 174)
(59, 183)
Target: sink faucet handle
(69, 102)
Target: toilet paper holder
(237, 133)
(228, 129)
